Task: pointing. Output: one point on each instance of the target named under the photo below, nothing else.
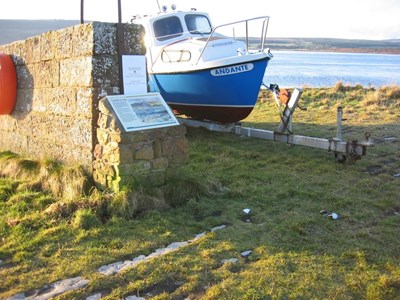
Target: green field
(297, 253)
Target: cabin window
(167, 28)
(198, 24)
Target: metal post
(339, 124)
(119, 12)
(121, 47)
(82, 8)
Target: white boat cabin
(183, 39)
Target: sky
(351, 19)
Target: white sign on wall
(140, 112)
(134, 74)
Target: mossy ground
(297, 252)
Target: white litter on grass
(247, 210)
(119, 266)
(54, 289)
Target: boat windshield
(198, 24)
(167, 28)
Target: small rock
(134, 298)
(218, 228)
(389, 139)
(246, 254)
(94, 297)
(229, 260)
(397, 175)
(200, 235)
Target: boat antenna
(159, 8)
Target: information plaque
(134, 74)
(141, 112)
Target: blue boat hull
(225, 94)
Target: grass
(297, 252)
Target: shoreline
(342, 50)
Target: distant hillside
(15, 30)
(335, 45)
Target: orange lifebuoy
(8, 84)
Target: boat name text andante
(232, 70)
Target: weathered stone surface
(105, 71)
(149, 154)
(84, 33)
(177, 130)
(76, 72)
(160, 163)
(133, 37)
(32, 54)
(144, 151)
(105, 38)
(175, 146)
(46, 74)
(25, 77)
(47, 46)
(85, 101)
(65, 43)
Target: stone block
(47, 46)
(55, 100)
(160, 163)
(125, 153)
(64, 47)
(140, 136)
(144, 151)
(102, 136)
(84, 40)
(46, 74)
(157, 147)
(175, 146)
(122, 137)
(177, 131)
(84, 101)
(104, 39)
(32, 50)
(133, 37)
(105, 71)
(76, 72)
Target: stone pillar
(124, 158)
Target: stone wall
(121, 157)
(61, 77)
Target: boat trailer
(349, 151)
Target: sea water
(324, 69)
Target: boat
(201, 72)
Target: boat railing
(216, 35)
(264, 28)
